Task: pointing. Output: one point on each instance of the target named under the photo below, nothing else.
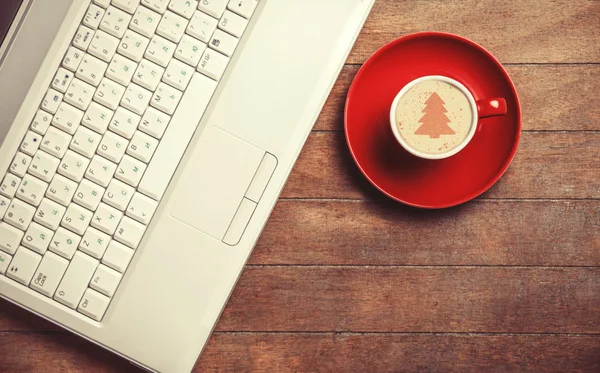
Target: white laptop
(143, 145)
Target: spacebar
(183, 124)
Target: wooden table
(344, 280)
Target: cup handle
(492, 107)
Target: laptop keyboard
(106, 140)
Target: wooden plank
(553, 97)
(415, 299)
(406, 299)
(260, 352)
(393, 353)
(558, 233)
(547, 165)
(513, 30)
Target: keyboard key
(213, 8)
(141, 208)
(93, 16)
(9, 185)
(83, 37)
(10, 237)
(178, 75)
(145, 21)
(177, 137)
(103, 3)
(94, 242)
(72, 59)
(160, 51)
(118, 195)
(121, 70)
(37, 238)
(106, 219)
(136, 99)
(233, 24)
(130, 171)
(4, 202)
(115, 22)
(124, 122)
(76, 279)
(142, 147)
(67, 118)
(31, 143)
(61, 190)
(112, 146)
(166, 98)
(109, 93)
(73, 166)
(41, 122)
(62, 79)
(52, 101)
(133, 45)
(154, 122)
(43, 166)
(184, 8)
(127, 5)
(244, 8)
(117, 256)
(23, 265)
(91, 70)
(103, 46)
(93, 304)
(49, 273)
(49, 214)
(77, 219)
(105, 280)
(190, 50)
(80, 94)
(156, 5)
(65, 243)
(19, 214)
(172, 26)
(19, 165)
(97, 118)
(31, 190)
(4, 262)
(148, 75)
(130, 232)
(223, 42)
(88, 195)
(213, 64)
(85, 142)
(101, 170)
(202, 26)
(56, 142)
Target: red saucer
(397, 173)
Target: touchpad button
(215, 181)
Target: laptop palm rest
(215, 181)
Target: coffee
(434, 116)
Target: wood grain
(553, 97)
(399, 353)
(547, 165)
(416, 299)
(515, 31)
(565, 233)
(265, 352)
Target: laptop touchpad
(215, 181)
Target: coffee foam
(434, 117)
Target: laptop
(143, 145)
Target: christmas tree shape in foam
(434, 121)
